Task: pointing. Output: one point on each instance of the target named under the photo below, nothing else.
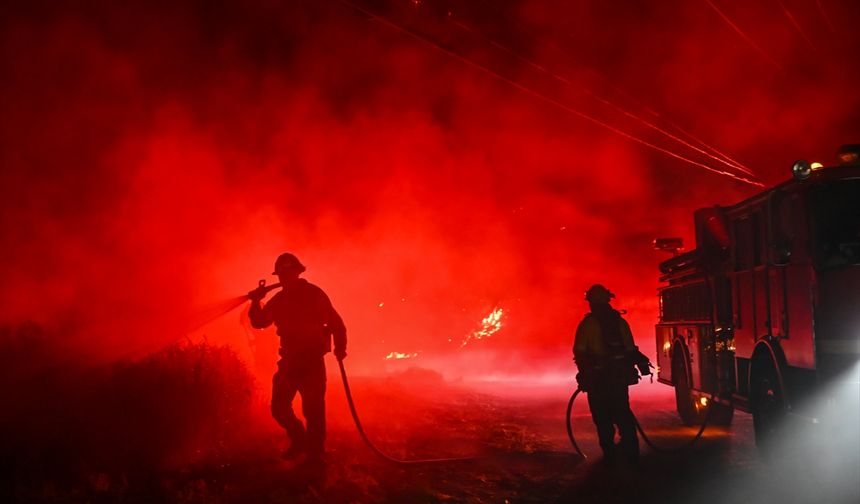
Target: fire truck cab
(765, 311)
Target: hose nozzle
(262, 289)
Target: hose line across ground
(370, 445)
(645, 437)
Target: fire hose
(353, 411)
(370, 444)
(263, 288)
(639, 428)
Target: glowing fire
(490, 325)
(398, 355)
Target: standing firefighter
(306, 323)
(606, 357)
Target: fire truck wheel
(684, 400)
(768, 404)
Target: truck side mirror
(672, 245)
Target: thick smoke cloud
(157, 157)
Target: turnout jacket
(305, 319)
(602, 337)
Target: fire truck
(765, 312)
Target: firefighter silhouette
(306, 323)
(607, 358)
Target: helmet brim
(300, 268)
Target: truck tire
(768, 404)
(692, 413)
(684, 400)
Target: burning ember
(398, 355)
(490, 325)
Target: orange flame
(490, 325)
(398, 355)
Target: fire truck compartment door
(665, 343)
(798, 346)
(744, 312)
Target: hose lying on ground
(645, 437)
(370, 445)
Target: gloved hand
(643, 363)
(340, 353)
(582, 381)
(257, 294)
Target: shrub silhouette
(63, 422)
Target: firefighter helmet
(598, 294)
(288, 262)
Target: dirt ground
(523, 455)
(516, 434)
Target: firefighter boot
(298, 443)
(293, 452)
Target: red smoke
(157, 158)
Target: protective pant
(307, 377)
(610, 407)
